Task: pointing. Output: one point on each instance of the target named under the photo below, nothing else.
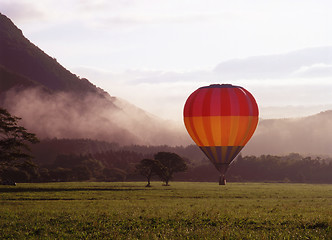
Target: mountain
(306, 135)
(53, 102)
(20, 56)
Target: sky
(155, 53)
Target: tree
(147, 168)
(169, 164)
(14, 141)
(114, 174)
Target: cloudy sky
(154, 53)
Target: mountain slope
(19, 55)
(53, 102)
(307, 135)
(11, 79)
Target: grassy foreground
(180, 211)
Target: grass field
(180, 211)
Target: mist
(70, 115)
(307, 135)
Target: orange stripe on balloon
(243, 125)
(225, 122)
(208, 131)
(252, 124)
(217, 128)
(252, 129)
(227, 130)
(198, 125)
(234, 131)
(189, 123)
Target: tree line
(289, 168)
(89, 160)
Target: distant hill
(307, 135)
(53, 102)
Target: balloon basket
(222, 180)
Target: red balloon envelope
(221, 118)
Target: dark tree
(114, 175)
(147, 168)
(169, 164)
(14, 141)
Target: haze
(155, 53)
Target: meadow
(89, 210)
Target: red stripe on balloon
(225, 102)
(234, 102)
(206, 106)
(220, 102)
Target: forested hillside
(84, 159)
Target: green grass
(181, 211)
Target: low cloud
(66, 115)
(22, 11)
(319, 70)
(309, 135)
(295, 82)
(295, 111)
(277, 66)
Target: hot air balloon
(221, 118)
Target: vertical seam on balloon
(223, 152)
(219, 153)
(207, 117)
(206, 152)
(218, 114)
(249, 101)
(209, 154)
(235, 122)
(190, 130)
(230, 101)
(212, 117)
(253, 103)
(250, 104)
(234, 100)
(235, 111)
(241, 129)
(228, 154)
(191, 118)
(235, 151)
(214, 153)
(203, 138)
(246, 131)
(242, 143)
(193, 127)
(250, 127)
